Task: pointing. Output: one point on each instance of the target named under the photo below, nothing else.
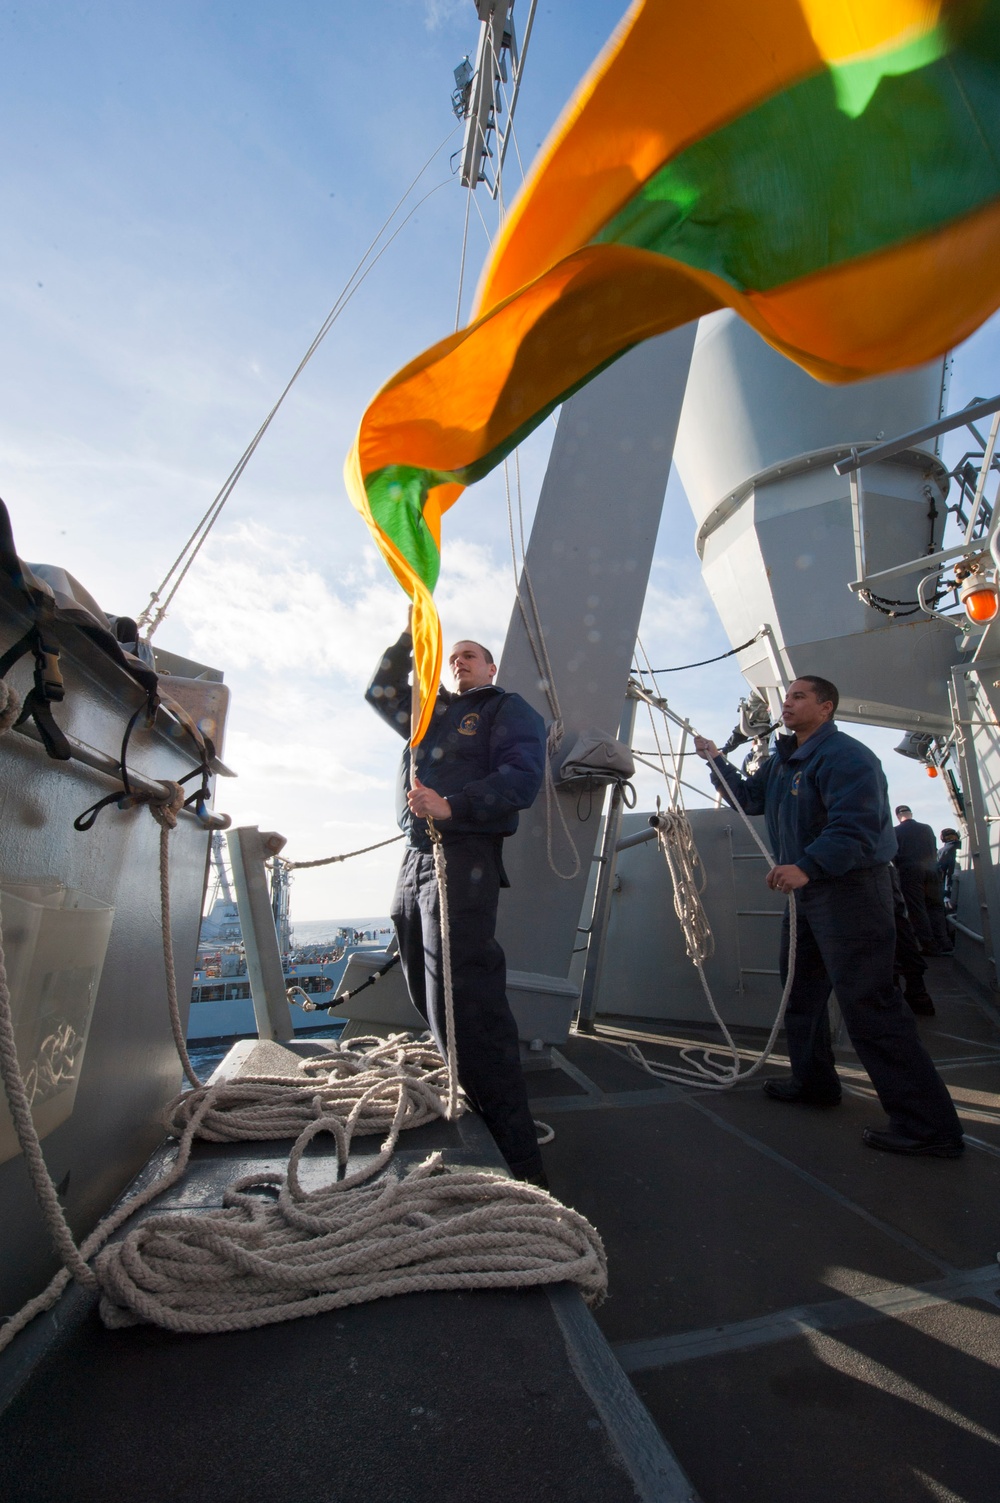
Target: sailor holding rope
(480, 762)
(826, 803)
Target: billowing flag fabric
(828, 168)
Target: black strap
(88, 818)
(48, 689)
(20, 647)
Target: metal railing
(979, 517)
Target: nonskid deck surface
(807, 1320)
(485, 1395)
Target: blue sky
(185, 189)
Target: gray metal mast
(480, 97)
(219, 862)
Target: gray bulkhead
(129, 1066)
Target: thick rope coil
(360, 1084)
(255, 1263)
(104, 1229)
(10, 706)
(75, 1259)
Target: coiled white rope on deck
(255, 1263)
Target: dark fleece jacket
(484, 751)
(826, 802)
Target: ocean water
(324, 931)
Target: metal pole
(858, 522)
(975, 812)
(877, 452)
(248, 850)
(605, 887)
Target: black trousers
(486, 1045)
(912, 881)
(936, 917)
(846, 941)
(909, 962)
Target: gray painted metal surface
(756, 446)
(130, 1067)
(588, 560)
(975, 693)
(647, 972)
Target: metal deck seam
(801, 1320)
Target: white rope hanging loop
(714, 1069)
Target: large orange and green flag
(828, 168)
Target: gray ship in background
(221, 1004)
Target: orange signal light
(981, 604)
(932, 772)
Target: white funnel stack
(756, 446)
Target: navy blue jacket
(484, 751)
(916, 845)
(826, 802)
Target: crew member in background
(916, 862)
(946, 858)
(480, 762)
(909, 966)
(826, 803)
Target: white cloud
(441, 12)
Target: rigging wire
(536, 641)
(461, 269)
(193, 546)
(482, 221)
(648, 672)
